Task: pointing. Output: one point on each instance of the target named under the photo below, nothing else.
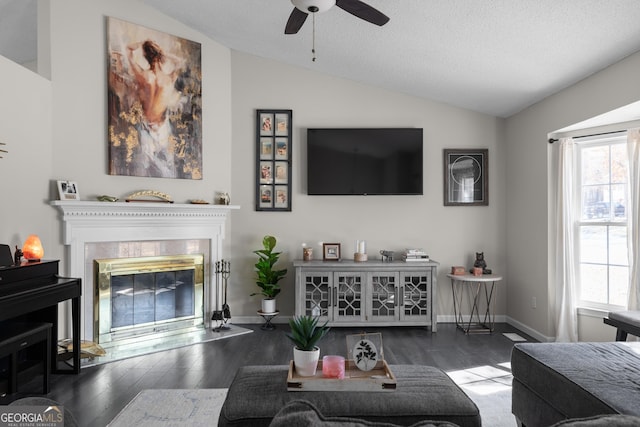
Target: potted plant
(268, 276)
(305, 334)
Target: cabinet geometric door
(416, 299)
(348, 297)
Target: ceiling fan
(355, 7)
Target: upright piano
(30, 292)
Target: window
(601, 229)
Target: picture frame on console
(68, 190)
(331, 251)
(466, 177)
(273, 160)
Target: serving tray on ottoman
(379, 378)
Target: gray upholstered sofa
(558, 381)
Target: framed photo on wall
(466, 177)
(273, 160)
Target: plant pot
(306, 362)
(269, 305)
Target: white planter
(269, 305)
(306, 362)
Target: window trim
(583, 143)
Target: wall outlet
(534, 302)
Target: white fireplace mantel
(94, 222)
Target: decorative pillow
(601, 421)
(304, 413)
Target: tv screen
(374, 161)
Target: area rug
(172, 408)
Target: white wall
(79, 70)
(531, 182)
(450, 235)
(25, 128)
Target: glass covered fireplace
(145, 297)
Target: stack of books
(415, 255)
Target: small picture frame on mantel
(68, 190)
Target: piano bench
(15, 342)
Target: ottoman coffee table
(422, 393)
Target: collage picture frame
(273, 160)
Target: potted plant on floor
(305, 334)
(268, 276)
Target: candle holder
(358, 257)
(333, 367)
(307, 254)
(361, 251)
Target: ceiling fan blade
(363, 11)
(296, 19)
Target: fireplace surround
(95, 230)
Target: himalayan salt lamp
(32, 249)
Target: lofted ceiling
(492, 56)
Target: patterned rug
(172, 408)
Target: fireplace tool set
(221, 317)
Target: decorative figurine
(481, 263)
(17, 260)
(386, 255)
(224, 199)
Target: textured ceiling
(492, 56)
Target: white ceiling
(492, 56)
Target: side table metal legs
(473, 292)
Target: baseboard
(443, 318)
(529, 331)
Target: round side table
(268, 326)
(472, 289)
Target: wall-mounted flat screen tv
(372, 161)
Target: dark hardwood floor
(98, 393)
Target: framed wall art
(273, 160)
(466, 177)
(153, 136)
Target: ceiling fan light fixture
(314, 6)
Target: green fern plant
(268, 276)
(305, 332)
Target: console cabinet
(376, 293)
